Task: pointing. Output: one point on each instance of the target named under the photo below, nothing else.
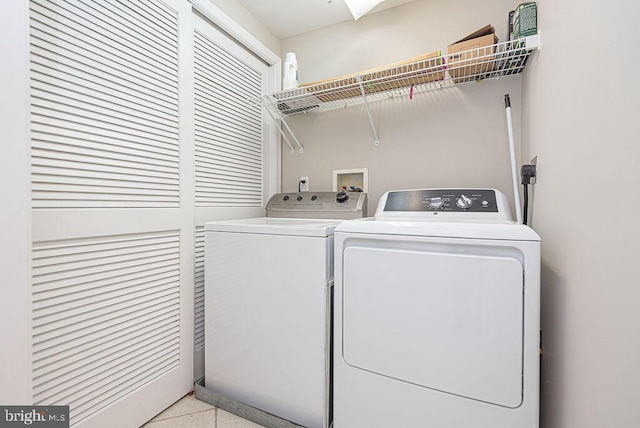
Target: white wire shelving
(405, 79)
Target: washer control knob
(299, 198)
(464, 202)
(436, 202)
(286, 198)
(342, 197)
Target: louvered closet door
(230, 151)
(112, 199)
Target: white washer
(268, 284)
(437, 314)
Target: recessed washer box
(348, 179)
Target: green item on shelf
(525, 20)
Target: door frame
(15, 214)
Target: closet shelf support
(286, 125)
(284, 136)
(376, 140)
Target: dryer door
(444, 317)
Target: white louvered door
(230, 154)
(111, 101)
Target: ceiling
(287, 18)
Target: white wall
(448, 138)
(243, 17)
(581, 113)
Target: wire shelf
(408, 79)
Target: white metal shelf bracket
(286, 139)
(376, 140)
(286, 125)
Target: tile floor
(189, 412)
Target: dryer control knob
(464, 202)
(436, 202)
(342, 197)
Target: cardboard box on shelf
(473, 56)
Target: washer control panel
(446, 200)
(335, 205)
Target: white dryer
(437, 302)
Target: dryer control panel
(465, 203)
(457, 200)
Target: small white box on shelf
(351, 180)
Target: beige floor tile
(202, 419)
(229, 420)
(185, 406)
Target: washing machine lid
(276, 226)
(447, 228)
